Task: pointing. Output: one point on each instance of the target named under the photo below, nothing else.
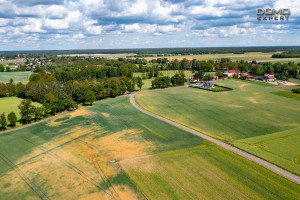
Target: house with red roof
(269, 77)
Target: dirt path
(254, 159)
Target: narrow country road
(254, 159)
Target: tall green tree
(38, 112)
(89, 97)
(26, 110)
(3, 121)
(139, 82)
(12, 118)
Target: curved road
(255, 159)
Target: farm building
(260, 78)
(228, 73)
(269, 77)
(244, 74)
(214, 77)
(194, 80)
(250, 78)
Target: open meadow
(112, 151)
(251, 117)
(10, 104)
(148, 82)
(16, 76)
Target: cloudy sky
(102, 24)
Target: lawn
(148, 82)
(78, 156)
(247, 111)
(10, 104)
(16, 76)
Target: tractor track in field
(72, 167)
(100, 170)
(35, 188)
(292, 177)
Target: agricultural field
(249, 111)
(247, 56)
(293, 80)
(17, 76)
(113, 151)
(10, 104)
(147, 82)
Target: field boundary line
(292, 177)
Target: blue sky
(102, 24)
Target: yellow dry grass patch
(105, 114)
(140, 164)
(120, 148)
(242, 87)
(234, 106)
(12, 183)
(77, 158)
(79, 112)
(252, 100)
(56, 123)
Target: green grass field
(248, 111)
(77, 156)
(17, 76)
(204, 172)
(261, 83)
(10, 104)
(148, 82)
(293, 80)
(234, 57)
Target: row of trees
(166, 81)
(12, 118)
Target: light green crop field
(17, 76)
(148, 82)
(10, 104)
(234, 57)
(204, 172)
(81, 155)
(293, 80)
(248, 111)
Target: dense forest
(290, 54)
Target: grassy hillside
(248, 111)
(77, 156)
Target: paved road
(255, 159)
